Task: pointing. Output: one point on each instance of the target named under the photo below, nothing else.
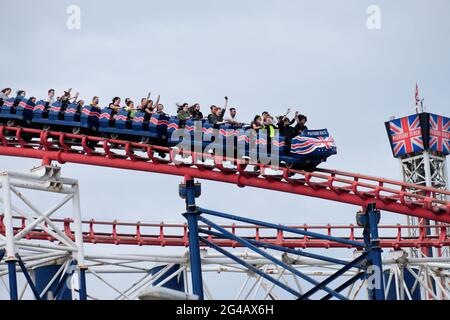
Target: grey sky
(316, 56)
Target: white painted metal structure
(425, 169)
(128, 276)
(430, 170)
(46, 179)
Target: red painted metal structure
(163, 234)
(344, 187)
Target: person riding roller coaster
(195, 112)
(305, 153)
(217, 114)
(130, 109)
(4, 95)
(183, 114)
(95, 103)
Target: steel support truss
(116, 276)
(271, 270)
(368, 263)
(426, 169)
(18, 254)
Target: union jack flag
(417, 94)
(406, 135)
(440, 134)
(308, 144)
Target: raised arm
(75, 97)
(222, 114)
(287, 112)
(294, 119)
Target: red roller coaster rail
(344, 187)
(169, 234)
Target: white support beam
(78, 227)
(8, 218)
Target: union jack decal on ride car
(223, 132)
(138, 119)
(158, 122)
(306, 145)
(8, 103)
(120, 117)
(278, 144)
(106, 116)
(55, 109)
(40, 106)
(71, 110)
(244, 137)
(89, 113)
(25, 105)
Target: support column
(427, 168)
(82, 280)
(374, 219)
(189, 191)
(445, 174)
(79, 242)
(370, 221)
(9, 234)
(12, 279)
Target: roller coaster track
(163, 234)
(344, 187)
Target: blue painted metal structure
(370, 221)
(369, 260)
(189, 192)
(12, 276)
(58, 290)
(28, 278)
(176, 283)
(410, 284)
(43, 276)
(82, 284)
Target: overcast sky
(316, 56)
